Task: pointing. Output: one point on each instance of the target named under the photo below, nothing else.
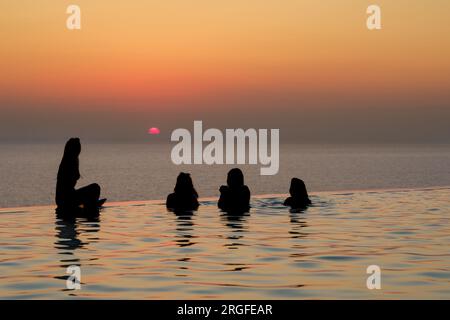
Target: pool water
(139, 250)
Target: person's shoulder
(170, 199)
(195, 204)
(171, 195)
(288, 201)
(224, 188)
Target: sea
(146, 172)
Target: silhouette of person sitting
(299, 196)
(184, 197)
(235, 196)
(67, 197)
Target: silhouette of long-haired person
(184, 197)
(235, 196)
(67, 197)
(299, 196)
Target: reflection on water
(298, 223)
(237, 225)
(67, 241)
(184, 229)
(144, 252)
(68, 229)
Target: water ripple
(141, 251)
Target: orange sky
(143, 54)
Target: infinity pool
(138, 250)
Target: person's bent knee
(95, 186)
(96, 189)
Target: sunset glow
(151, 53)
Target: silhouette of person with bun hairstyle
(235, 196)
(67, 197)
(299, 196)
(184, 197)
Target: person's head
(235, 178)
(72, 148)
(298, 189)
(184, 183)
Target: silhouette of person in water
(299, 196)
(235, 196)
(67, 197)
(184, 197)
